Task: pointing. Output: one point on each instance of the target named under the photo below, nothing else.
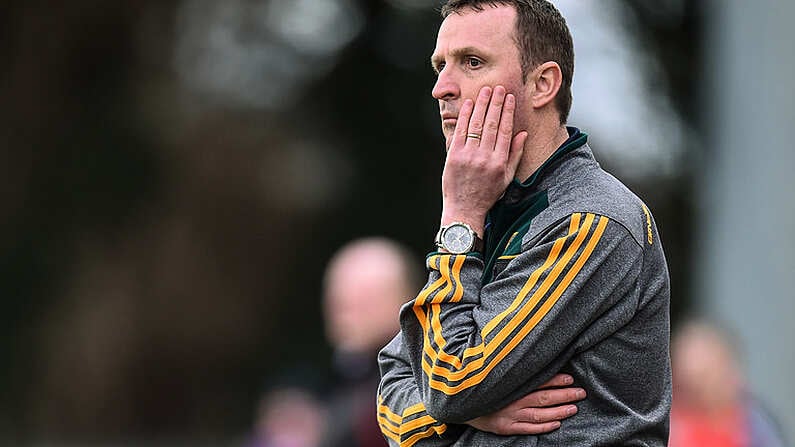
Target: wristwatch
(458, 238)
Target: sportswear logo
(649, 237)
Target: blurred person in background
(365, 284)
(545, 262)
(712, 406)
(288, 416)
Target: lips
(449, 118)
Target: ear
(547, 79)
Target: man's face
(363, 296)
(475, 49)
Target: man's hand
(539, 412)
(482, 157)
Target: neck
(542, 143)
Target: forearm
(453, 349)
(474, 348)
(402, 415)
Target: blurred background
(176, 176)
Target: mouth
(449, 119)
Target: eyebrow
(456, 53)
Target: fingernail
(580, 394)
(568, 380)
(509, 100)
(571, 410)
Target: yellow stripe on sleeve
(394, 418)
(444, 271)
(423, 296)
(387, 429)
(575, 222)
(414, 409)
(393, 427)
(459, 289)
(417, 423)
(437, 429)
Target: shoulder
(586, 188)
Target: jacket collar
(517, 190)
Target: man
(545, 262)
(712, 404)
(365, 283)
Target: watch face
(457, 239)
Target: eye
(438, 68)
(473, 62)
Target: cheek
(470, 91)
(521, 116)
(521, 119)
(513, 84)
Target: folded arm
(405, 422)
(474, 349)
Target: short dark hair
(541, 35)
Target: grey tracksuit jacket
(573, 279)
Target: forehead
(491, 29)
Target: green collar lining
(576, 139)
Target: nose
(446, 87)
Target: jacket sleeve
(475, 348)
(401, 413)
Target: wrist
(475, 221)
(458, 238)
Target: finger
(552, 397)
(479, 115)
(517, 149)
(505, 129)
(527, 428)
(544, 415)
(491, 126)
(558, 380)
(460, 133)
